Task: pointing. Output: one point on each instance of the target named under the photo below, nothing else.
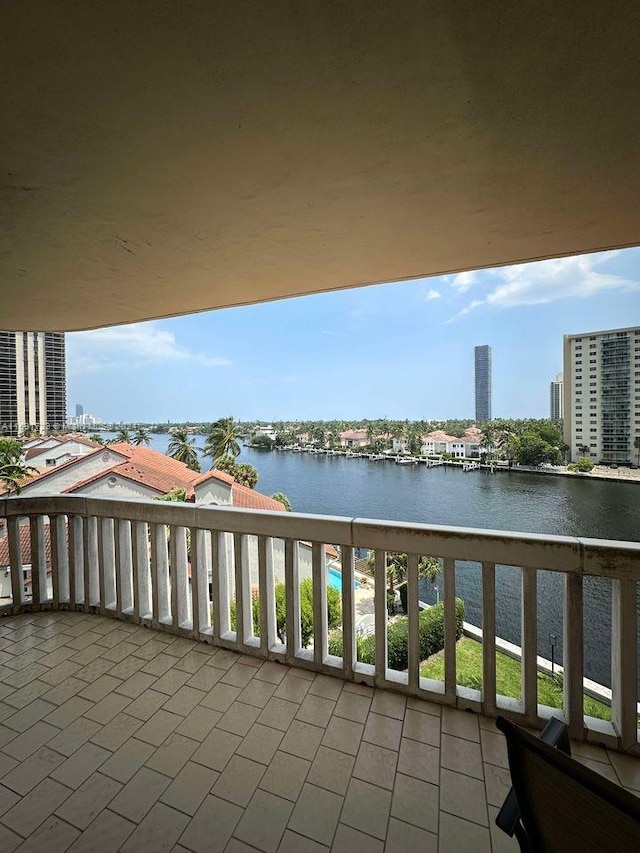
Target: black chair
(558, 805)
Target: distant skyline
(401, 350)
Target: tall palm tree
(122, 436)
(141, 436)
(223, 439)
(182, 448)
(12, 467)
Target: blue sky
(402, 350)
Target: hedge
(431, 623)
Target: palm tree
(141, 436)
(123, 436)
(182, 448)
(283, 499)
(97, 439)
(428, 567)
(12, 467)
(222, 439)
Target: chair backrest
(566, 806)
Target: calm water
(523, 502)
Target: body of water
(530, 503)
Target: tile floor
(114, 737)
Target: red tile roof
(214, 474)
(25, 546)
(246, 498)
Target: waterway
(531, 503)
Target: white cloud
(433, 294)
(463, 280)
(541, 282)
(136, 345)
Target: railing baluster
(216, 591)
(117, 558)
(15, 558)
(292, 594)
(413, 613)
(107, 565)
(450, 636)
(74, 528)
(489, 638)
(199, 583)
(173, 573)
(91, 559)
(244, 614)
(142, 605)
(624, 660)
(124, 566)
(349, 656)
(38, 560)
(319, 573)
(180, 578)
(530, 643)
(380, 614)
(266, 592)
(573, 661)
(162, 609)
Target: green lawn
(508, 677)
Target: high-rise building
(483, 382)
(602, 394)
(33, 381)
(556, 401)
(79, 410)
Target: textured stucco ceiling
(161, 157)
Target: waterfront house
(353, 438)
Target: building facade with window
(556, 399)
(602, 394)
(483, 382)
(33, 382)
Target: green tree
(428, 567)
(241, 472)
(583, 465)
(13, 470)
(97, 439)
(176, 495)
(535, 450)
(182, 448)
(141, 436)
(223, 439)
(123, 436)
(283, 499)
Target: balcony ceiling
(160, 158)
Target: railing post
(573, 661)
(380, 614)
(413, 613)
(142, 604)
(624, 660)
(489, 639)
(244, 609)
(292, 594)
(319, 573)
(91, 559)
(74, 528)
(530, 643)
(450, 638)
(349, 654)
(38, 560)
(179, 579)
(15, 558)
(199, 583)
(267, 594)
(124, 567)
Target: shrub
(583, 465)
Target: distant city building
(483, 382)
(84, 420)
(33, 382)
(556, 400)
(602, 394)
(79, 410)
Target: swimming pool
(335, 579)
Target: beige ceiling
(163, 157)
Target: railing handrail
(565, 554)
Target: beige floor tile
(29, 716)
(25, 695)
(239, 718)
(366, 808)
(278, 713)
(415, 802)
(146, 705)
(116, 732)
(9, 840)
(326, 686)
(27, 815)
(344, 735)
(461, 836)
(223, 659)
(53, 836)
(139, 794)
(332, 770)
(291, 843)
(461, 755)
(239, 780)
(150, 651)
(120, 652)
(74, 736)
(198, 723)
(350, 840)
(494, 748)
(497, 782)
(205, 678)
(191, 662)
(171, 681)
(264, 821)
(171, 757)
(189, 788)
(126, 762)
(463, 796)
(383, 731)
(605, 770)
(421, 727)
(316, 710)
(94, 670)
(360, 689)
(65, 690)
(376, 765)
(424, 706)
(462, 724)
(256, 692)
(260, 744)
(627, 769)
(183, 701)
(125, 668)
(405, 838)
(316, 813)
(86, 803)
(351, 706)
(87, 655)
(60, 673)
(272, 672)
(292, 689)
(80, 765)
(221, 697)
(419, 760)
(24, 745)
(159, 831)
(158, 728)
(238, 675)
(107, 708)
(389, 704)
(136, 684)
(8, 799)
(211, 827)
(285, 775)
(216, 749)
(302, 739)
(33, 770)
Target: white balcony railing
(179, 567)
